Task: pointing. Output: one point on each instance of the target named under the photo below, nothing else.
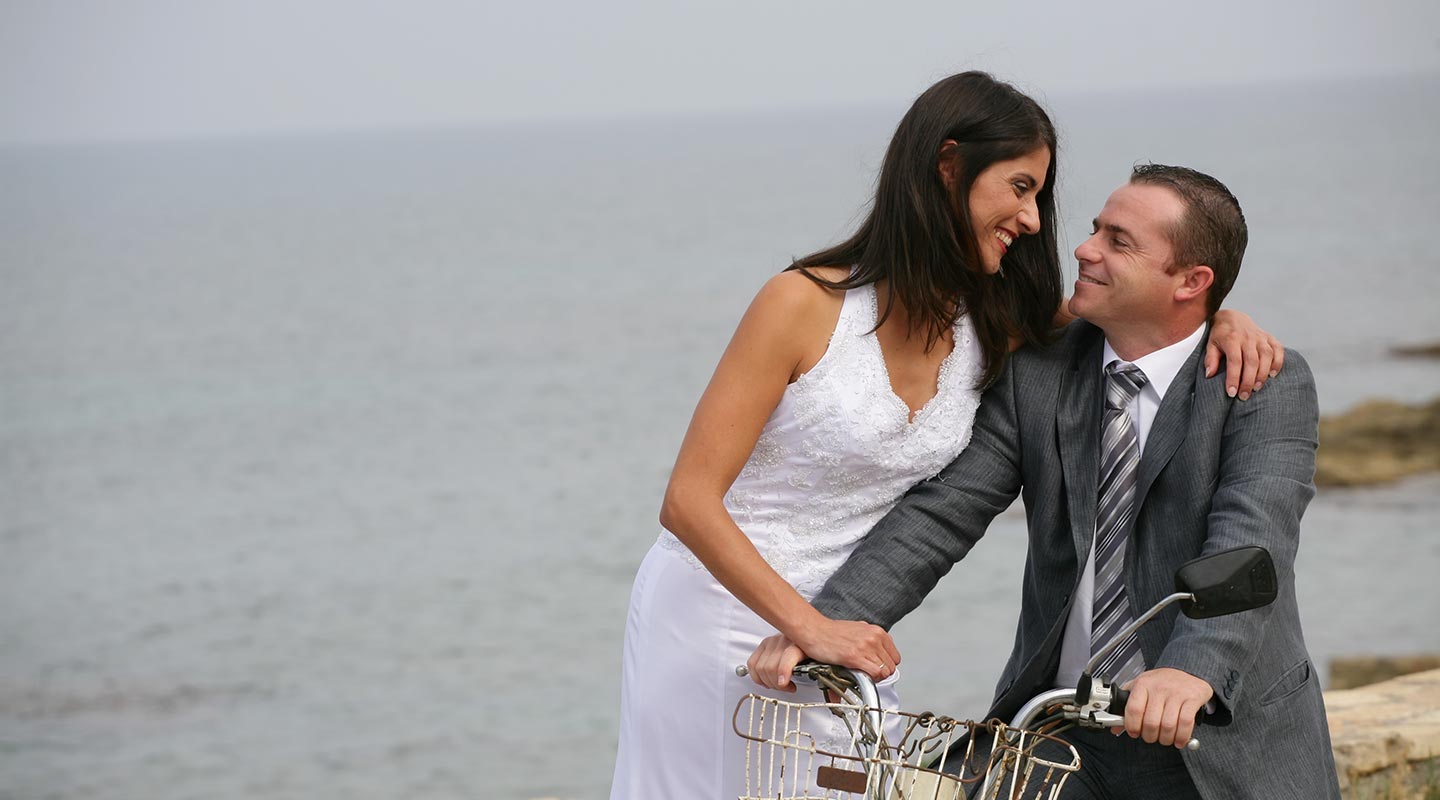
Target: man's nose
(1086, 251)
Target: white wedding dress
(836, 454)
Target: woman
(853, 375)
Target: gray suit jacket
(1215, 473)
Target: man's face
(1123, 281)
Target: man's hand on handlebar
(1162, 706)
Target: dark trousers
(1120, 768)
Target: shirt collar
(1160, 366)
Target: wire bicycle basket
(862, 752)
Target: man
(1131, 463)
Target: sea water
(326, 462)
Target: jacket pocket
(1290, 681)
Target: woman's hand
(773, 661)
(1252, 356)
(857, 645)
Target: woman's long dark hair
(918, 238)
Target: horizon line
(523, 122)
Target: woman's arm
(782, 334)
(1251, 355)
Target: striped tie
(1120, 458)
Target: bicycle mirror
(1239, 579)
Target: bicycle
(898, 755)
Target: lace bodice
(840, 449)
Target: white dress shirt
(1160, 368)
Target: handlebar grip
(800, 669)
(1118, 699)
(830, 677)
(1121, 697)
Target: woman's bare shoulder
(798, 315)
(794, 292)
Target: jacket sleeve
(1266, 479)
(935, 524)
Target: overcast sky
(102, 69)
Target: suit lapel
(1171, 424)
(1078, 427)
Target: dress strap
(857, 312)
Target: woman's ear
(949, 163)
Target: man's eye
(1119, 243)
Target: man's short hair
(1212, 230)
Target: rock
(1386, 737)
(1431, 350)
(1377, 442)
(1355, 671)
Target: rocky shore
(1386, 736)
(1431, 350)
(1377, 442)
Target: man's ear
(1196, 283)
(949, 163)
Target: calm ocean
(326, 463)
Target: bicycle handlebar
(834, 677)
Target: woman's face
(1002, 204)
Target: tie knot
(1125, 382)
